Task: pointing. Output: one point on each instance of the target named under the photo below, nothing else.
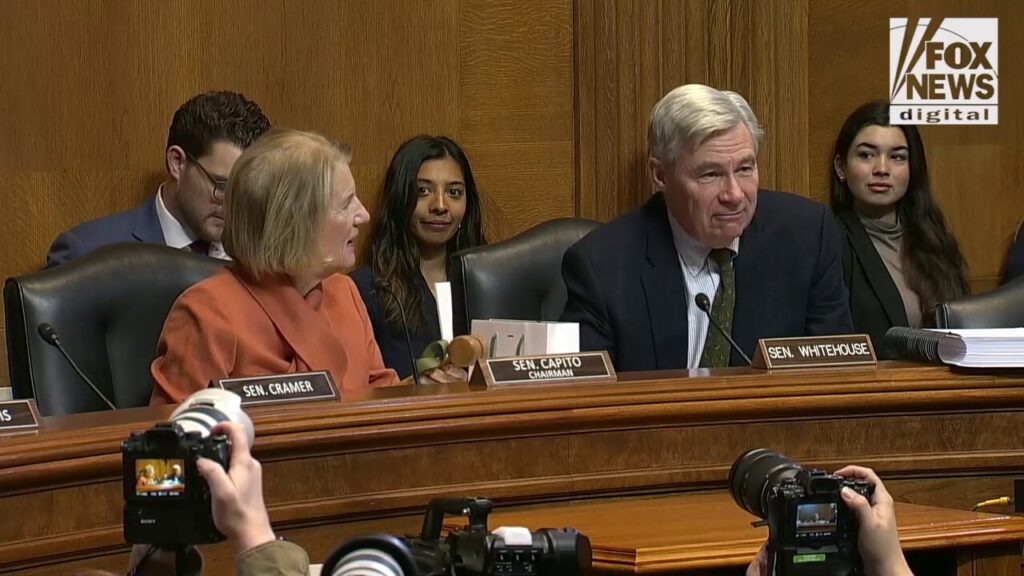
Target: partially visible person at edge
(429, 208)
(207, 135)
(899, 259)
(292, 216)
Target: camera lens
(753, 475)
(567, 551)
(202, 411)
(376, 555)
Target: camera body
(167, 502)
(469, 551)
(811, 532)
(475, 551)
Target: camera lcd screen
(159, 478)
(816, 519)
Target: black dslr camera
(470, 551)
(166, 501)
(810, 531)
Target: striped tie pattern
(716, 347)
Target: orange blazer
(229, 326)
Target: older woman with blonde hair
(291, 218)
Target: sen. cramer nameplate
(551, 368)
(815, 352)
(17, 416)
(279, 388)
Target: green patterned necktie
(716, 347)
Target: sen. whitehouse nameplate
(815, 352)
(18, 416)
(550, 368)
(280, 388)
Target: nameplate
(815, 352)
(280, 388)
(550, 368)
(17, 416)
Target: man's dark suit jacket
(139, 224)
(626, 287)
(875, 302)
(1015, 260)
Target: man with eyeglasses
(208, 133)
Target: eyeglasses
(217, 186)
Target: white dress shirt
(176, 235)
(700, 274)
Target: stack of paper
(983, 348)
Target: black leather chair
(999, 308)
(108, 309)
(517, 279)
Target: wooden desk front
(696, 533)
(336, 469)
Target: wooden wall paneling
(977, 172)
(396, 70)
(85, 118)
(618, 80)
(758, 50)
(595, 98)
(585, 104)
(515, 109)
(779, 92)
(629, 54)
(848, 58)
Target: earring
(842, 178)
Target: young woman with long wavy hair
(899, 258)
(429, 208)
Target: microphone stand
(381, 285)
(49, 335)
(704, 304)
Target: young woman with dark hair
(899, 259)
(429, 208)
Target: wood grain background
(550, 97)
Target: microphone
(382, 285)
(49, 336)
(705, 305)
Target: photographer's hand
(759, 565)
(878, 541)
(238, 509)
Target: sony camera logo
(944, 70)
